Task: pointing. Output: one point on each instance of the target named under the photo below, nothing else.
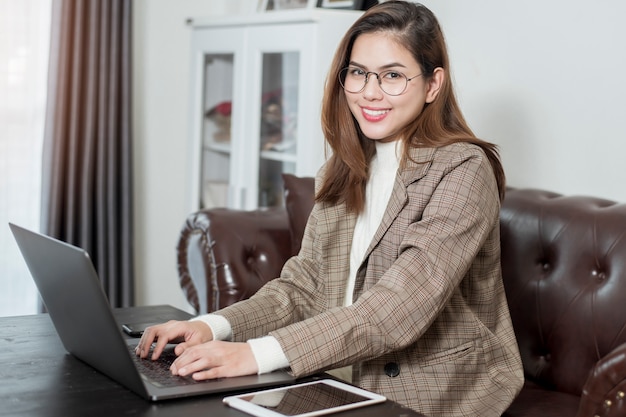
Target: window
(24, 45)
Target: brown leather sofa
(564, 269)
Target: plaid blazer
(430, 326)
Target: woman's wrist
(268, 354)
(220, 327)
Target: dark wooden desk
(39, 378)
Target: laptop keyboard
(158, 372)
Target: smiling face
(382, 116)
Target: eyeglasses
(354, 80)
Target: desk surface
(39, 378)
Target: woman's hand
(215, 359)
(186, 333)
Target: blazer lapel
(399, 197)
(339, 224)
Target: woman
(399, 272)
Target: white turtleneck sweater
(267, 351)
(383, 170)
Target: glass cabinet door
(278, 124)
(256, 88)
(216, 130)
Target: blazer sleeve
(294, 296)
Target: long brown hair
(440, 123)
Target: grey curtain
(87, 151)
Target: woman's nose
(372, 89)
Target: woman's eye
(392, 75)
(357, 72)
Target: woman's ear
(434, 84)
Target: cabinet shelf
(222, 148)
(279, 156)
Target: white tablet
(304, 400)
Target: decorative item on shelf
(271, 122)
(366, 4)
(268, 5)
(278, 123)
(220, 115)
(347, 4)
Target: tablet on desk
(307, 399)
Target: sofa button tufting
(545, 358)
(598, 275)
(392, 369)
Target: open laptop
(82, 316)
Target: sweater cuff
(268, 354)
(219, 326)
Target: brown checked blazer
(430, 326)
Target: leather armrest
(226, 255)
(605, 389)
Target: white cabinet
(256, 91)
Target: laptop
(80, 311)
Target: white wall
(543, 79)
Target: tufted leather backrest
(564, 269)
